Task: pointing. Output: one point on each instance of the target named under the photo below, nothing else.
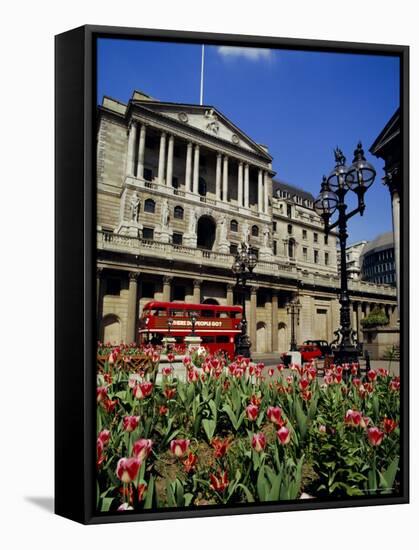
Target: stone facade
(179, 187)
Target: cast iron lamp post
(293, 309)
(244, 263)
(193, 316)
(357, 178)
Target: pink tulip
(143, 390)
(127, 469)
(259, 442)
(142, 448)
(130, 423)
(252, 412)
(274, 414)
(220, 483)
(101, 394)
(179, 446)
(104, 436)
(284, 435)
(353, 418)
(375, 436)
(371, 375)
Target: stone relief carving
(193, 222)
(212, 124)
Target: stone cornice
(189, 133)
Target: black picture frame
(75, 272)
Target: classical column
(197, 291)
(395, 203)
(274, 327)
(169, 171)
(367, 309)
(141, 152)
(167, 287)
(196, 169)
(260, 191)
(99, 273)
(265, 189)
(358, 321)
(225, 178)
(246, 186)
(188, 171)
(218, 177)
(132, 135)
(132, 307)
(162, 157)
(229, 295)
(240, 184)
(252, 318)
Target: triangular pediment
(387, 134)
(207, 120)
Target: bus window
(208, 339)
(223, 339)
(223, 314)
(206, 313)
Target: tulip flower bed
(231, 433)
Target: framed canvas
(231, 323)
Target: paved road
(272, 359)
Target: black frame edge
(69, 275)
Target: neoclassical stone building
(179, 187)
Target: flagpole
(201, 97)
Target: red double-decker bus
(216, 325)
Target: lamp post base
(243, 346)
(346, 355)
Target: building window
(179, 293)
(177, 238)
(234, 226)
(326, 239)
(202, 187)
(233, 249)
(148, 174)
(316, 256)
(255, 231)
(149, 206)
(304, 234)
(178, 212)
(147, 289)
(291, 248)
(289, 211)
(315, 237)
(113, 286)
(305, 254)
(274, 226)
(275, 247)
(175, 182)
(326, 258)
(148, 233)
(289, 229)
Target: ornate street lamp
(193, 316)
(293, 309)
(357, 178)
(244, 263)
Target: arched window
(234, 226)
(202, 187)
(291, 248)
(255, 231)
(149, 206)
(178, 212)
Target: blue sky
(300, 104)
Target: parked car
(309, 352)
(323, 346)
